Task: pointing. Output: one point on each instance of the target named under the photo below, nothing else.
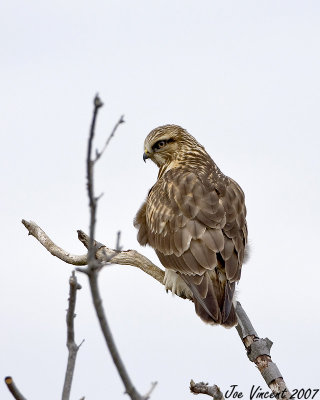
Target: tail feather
(232, 319)
(228, 297)
(213, 296)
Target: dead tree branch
(71, 344)
(258, 352)
(90, 182)
(35, 231)
(204, 388)
(103, 253)
(13, 389)
(95, 265)
(100, 153)
(127, 257)
(130, 389)
(245, 329)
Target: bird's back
(195, 220)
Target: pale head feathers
(170, 144)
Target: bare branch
(90, 183)
(128, 257)
(35, 231)
(100, 153)
(13, 389)
(71, 344)
(97, 301)
(245, 329)
(148, 394)
(258, 351)
(95, 265)
(118, 247)
(103, 253)
(204, 388)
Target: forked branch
(94, 265)
(258, 349)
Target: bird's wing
(191, 223)
(194, 228)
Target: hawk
(195, 219)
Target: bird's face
(164, 144)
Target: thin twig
(118, 246)
(148, 394)
(90, 182)
(13, 388)
(204, 388)
(71, 344)
(100, 153)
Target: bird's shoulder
(185, 182)
(184, 201)
(185, 194)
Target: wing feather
(214, 239)
(182, 239)
(205, 256)
(191, 263)
(190, 223)
(195, 228)
(231, 266)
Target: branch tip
(97, 101)
(148, 394)
(35, 231)
(71, 344)
(204, 388)
(118, 246)
(13, 388)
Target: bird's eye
(159, 144)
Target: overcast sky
(243, 78)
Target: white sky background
(243, 78)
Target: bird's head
(168, 143)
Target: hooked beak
(145, 155)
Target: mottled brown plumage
(194, 218)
